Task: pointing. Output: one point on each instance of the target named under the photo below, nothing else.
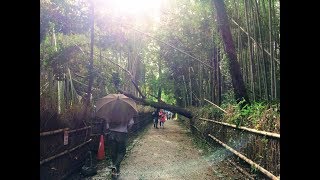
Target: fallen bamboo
(215, 105)
(274, 135)
(64, 152)
(241, 170)
(53, 132)
(249, 161)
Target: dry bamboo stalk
(275, 135)
(215, 105)
(81, 129)
(261, 169)
(63, 153)
(53, 132)
(241, 170)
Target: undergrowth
(258, 115)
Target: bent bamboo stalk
(261, 169)
(215, 105)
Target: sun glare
(136, 9)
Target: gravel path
(167, 154)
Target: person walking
(155, 118)
(118, 111)
(117, 142)
(162, 117)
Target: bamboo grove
(176, 55)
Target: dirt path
(167, 154)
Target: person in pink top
(162, 117)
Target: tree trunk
(234, 68)
(90, 68)
(160, 105)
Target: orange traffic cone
(101, 153)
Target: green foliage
(208, 111)
(168, 98)
(69, 16)
(228, 97)
(258, 115)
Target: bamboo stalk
(215, 105)
(250, 53)
(274, 135)
(219, 77)
(63, 153)
(53, 132)
(263, 64)
(271, 52)
(261, 169)
(240, 169)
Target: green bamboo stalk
(250, 50)
(271, 51)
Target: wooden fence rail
(274, 135)
(63, 130)
(53, 132)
